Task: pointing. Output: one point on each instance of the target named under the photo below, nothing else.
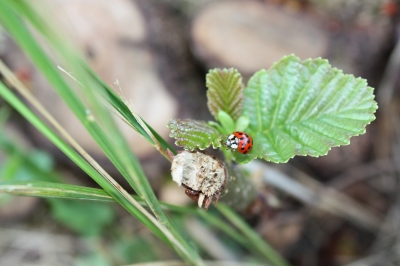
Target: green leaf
(228, 125)
(304, 108)
(96, 214)
(216, 125)
(225, 92)
(193, 134)
(242, 123)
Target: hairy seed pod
(204, 176)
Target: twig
(317, 195)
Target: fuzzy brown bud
(204, 176)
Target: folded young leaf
(225, 92)
(304, 108)
(193, 134)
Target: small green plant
(294, 108)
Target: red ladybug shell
(240, 141)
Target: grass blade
(125, 111)
(76, 158)
(106, 135)
(45, 189)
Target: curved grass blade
(112, 142)
(119, 104)
(72, 154)
(45, 189)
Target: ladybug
(241, 141)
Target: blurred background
(156, 53)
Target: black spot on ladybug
(242, 138)
(245, 152)
(240, 133)
(248, 141)
(242, 148)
